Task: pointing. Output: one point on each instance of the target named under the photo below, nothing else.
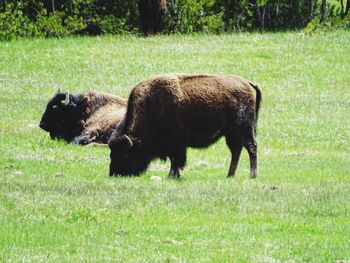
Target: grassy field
(57, 203)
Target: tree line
(46, 18)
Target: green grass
(57, 203)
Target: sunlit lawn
(57, 203)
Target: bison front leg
(178, 160)
(174, 169)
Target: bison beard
(83, 119)
(151, 15)
(169, 113)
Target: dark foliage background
(57, 18)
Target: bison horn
(65, 102)
(130, 143)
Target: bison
(151, 15)
(169, 113)
(84, 118)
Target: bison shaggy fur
(168, 113)
(84, 118)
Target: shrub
(13, 23)
(56, 18)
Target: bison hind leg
(246, 139)
(251, 145)
(235, 145)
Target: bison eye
(54, 107)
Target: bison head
(127, 156)
(61, 117)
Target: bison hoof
(253, 173)
(82, 140)
(174, 174)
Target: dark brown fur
(168, 113)
(151, 15)
(89, 117)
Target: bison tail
(257, 101)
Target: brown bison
(151, 15)
(168, 113)
(84, 118)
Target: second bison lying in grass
(169, 113)
(84, 118)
